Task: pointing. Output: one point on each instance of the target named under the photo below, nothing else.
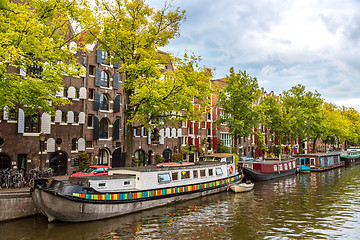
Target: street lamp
(42, 140)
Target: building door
(117, 160)
(5, 161)
(167, 155)
(58, 162)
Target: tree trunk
(314, 145)
(129, 131)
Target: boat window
(102, 185)
(218, 171)
(185, 174)
(195, 173)
(127, 183)
(175, 176)
(280, 167)
(210, 171)
(164, 177)
(294, 165)
(312, 161)
(275, 168)
(202, 173)
(286, 166)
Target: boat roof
(318, 154)
(151, 168)
(219, 155)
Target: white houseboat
(126, 190)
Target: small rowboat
(242, 187)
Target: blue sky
(282, 43)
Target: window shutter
(21, 121)
(116, 129)
(149, 137)
(161, 133)
(96, 128)
(5, 113)
(116, 81)
(46, 123)
(96, 101)
(97, 77)
(82, 93)
(70, 117)
(167, 133)
(71, 92)
(173, 133)
(179, 132)
(117, 104)
(99, 56)
(58, 114)
(82, 118)
(50, 145)
(81, 145)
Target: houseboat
(126, 190)
(351, 157)
(320, 161)
(260, 170)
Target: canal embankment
(16, 204)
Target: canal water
(324, 205)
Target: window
(104, 102)
(175, 176)
(191, 129)
(211, 172)
(100, 170)
(104, 128)
(65, 91)
(164, 177)
(275, 168)
(35, 71)
(195, 173)
(90, 122)
(77, 93)
(218, 171)
(104, 79)
(103, 157)
(202, 173)
(91, 94)
(74, 144)
(76, 117)
(89, 144)
(104, 55)
(226, 138)
(92, 70)
(63, 117)
(32, 123)
(185, 174)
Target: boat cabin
(319, 161)
(220, 157)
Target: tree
(237, 99)
(276, 117)
(306, 109)
(34, 38)
(132, 33)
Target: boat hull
(56, 207)
(255, 175)
(350, 161)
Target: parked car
(247, 158)
(93, 170)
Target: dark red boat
(267, 169)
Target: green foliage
(84, 161)
(236, 100)
(261, 142)
(177, 157)
(36, 33)
(188, 149)
(133, 32)
(223, 148)
(159, 158)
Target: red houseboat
(267, 169)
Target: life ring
(231, 169)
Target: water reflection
(324, 205)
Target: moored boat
(320, 161)
(126, 190)
(267, 169)
(351, 157)
(242, 187)
(303, 169)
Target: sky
(315, 43)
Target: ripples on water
(324, 205)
